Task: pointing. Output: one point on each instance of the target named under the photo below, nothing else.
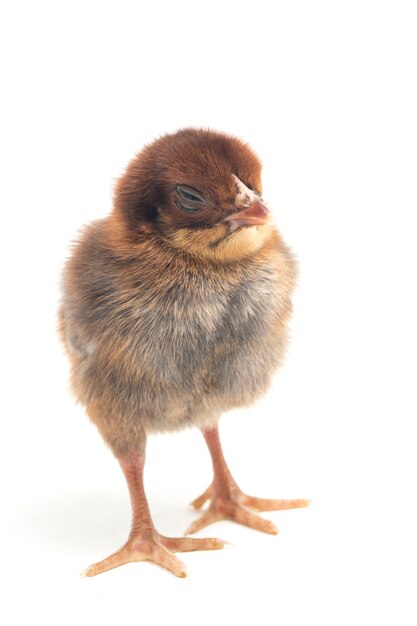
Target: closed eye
(189, 199)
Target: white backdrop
(326, 93)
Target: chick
(174, 310)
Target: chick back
(160, 340)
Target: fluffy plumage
(164, 330)
(172, 310)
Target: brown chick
(174, 310)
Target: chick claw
(158, 549)
(236, 506)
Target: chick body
(164, 340)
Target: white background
(326, 94)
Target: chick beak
(254, 215)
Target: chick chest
(213, 340)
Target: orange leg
(144, 542)
(228, 502)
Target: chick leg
(144, 542)
(228, 502)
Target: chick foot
(234, 505)
(156, 548)
(144, 542)
(228, 502)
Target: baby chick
(174, 310)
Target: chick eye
(189, 199)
